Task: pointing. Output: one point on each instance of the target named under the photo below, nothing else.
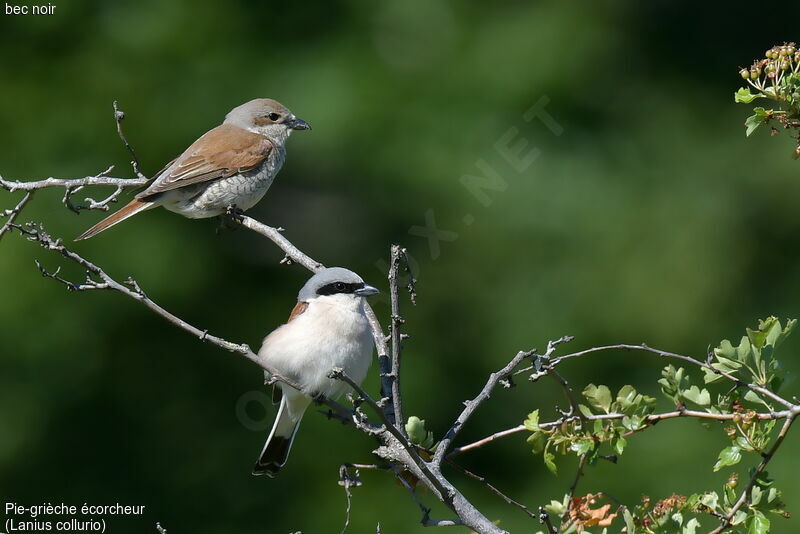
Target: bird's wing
(299, 308)
(224, 151)
(277, 394)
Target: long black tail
(279, 443)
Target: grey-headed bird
(327, 328)
(232, 164)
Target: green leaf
(730, 358)
(773, 332)
(633, 422)
(598, 427)
(755, 495)
(787, 331)
(710, 499)
(673, 381)
(537, 442)
(764, 480)
(751, 124)
(532, 422)
(630, 400)
(766, 328)
(627, 396)
(738, 518)
(549, 462)
(730, 495)
(556, 508)
(415, 428)
(619, 445)
(582, 446)
(729, 456)
(756, 350)
(755, 120)
(773, 494)
(757, 523)
(726, 350)
(599, 397)
(744, 96)
(752, 396)
(697, 396)
(630, 525)
(710, 376)
(726, 365)
(691, 526)
(743, 443)
(770, 332)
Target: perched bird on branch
(327, 328)
(230, 165)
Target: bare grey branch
(472, 405)
(119, 116)
(14, 212)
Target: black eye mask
(336, 288)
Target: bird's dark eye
(274, 116)
(335, 288)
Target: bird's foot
(234, 213)
(230, 219)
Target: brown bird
(231, 165)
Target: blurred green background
(650, 218)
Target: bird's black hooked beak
(296, 123)
(366, 291)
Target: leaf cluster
(775, 77)
(605, 421)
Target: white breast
(332, 332)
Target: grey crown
(325, 277)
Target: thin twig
(348, 480)
(13, 213)
(102, 205)
(375, 467)
(744, 498)
(666, 354)
(649, 421)
(339, 374)
(574, 485)
(442, 523)
(119, 116)
(544, 518)
(472, 405)
(413, 492)
(93, 204)
(274, 235)
(494, 490)
(426, 520)
(573, 402)
(487, 440)
(98, 179)
(397, 337)
(38, 234)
